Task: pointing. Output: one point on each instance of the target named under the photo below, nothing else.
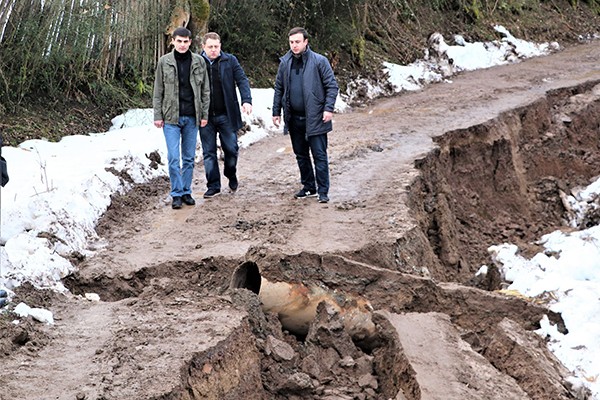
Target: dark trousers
(228, 136)
(303, 148)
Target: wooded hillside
(57, 55)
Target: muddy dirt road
(421, 185)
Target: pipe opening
(247, 276)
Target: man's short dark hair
(181, 31)
(298, 29)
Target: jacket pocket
(167, 110)
(197, 77)
(168, 76)
(318, 93)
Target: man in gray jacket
(306, 89)
(181, 100)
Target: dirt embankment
(502, 180)
(422, 184)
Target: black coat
(319, 86)
(232, 74)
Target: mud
(422, 184)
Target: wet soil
(422, 184)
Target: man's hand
(276, 121)
(247, 108)
(203, 123)
(327, 116)
(159, 124)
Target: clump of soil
(124, 208)
(27, 334)
(324, 363)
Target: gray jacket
(319, 86)
(166, 89)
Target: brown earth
(422, 184)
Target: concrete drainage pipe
(296, 303)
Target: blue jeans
(303, 147)
(185, 133)
(208, 136)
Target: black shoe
(233, 184)
(304, 193)
(211, 193)
(188, 199)
(323, 198)
(176, 203)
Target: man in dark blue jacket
(224, 116)
(306, 90)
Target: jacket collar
(171, 58)
(222, 56)
(289, 55)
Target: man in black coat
(224, 116)
(306, 90)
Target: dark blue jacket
(319, 86)
(232, 74)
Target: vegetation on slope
(67, 68)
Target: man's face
(298, 43)
(181, 43)
(212, 48)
